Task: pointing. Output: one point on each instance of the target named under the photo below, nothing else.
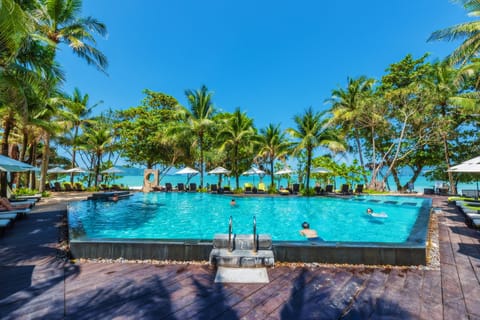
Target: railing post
(230, 246)
(254, 234)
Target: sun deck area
(38, 282)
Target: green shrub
(24, 192)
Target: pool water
(200, 216)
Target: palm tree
(97, 139)
(469, 31)
(313, 131)
(77, 113)
(273, 145)
(237, 135)
(199, 119)
(59, 21)
(347, 109)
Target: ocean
(137, 181)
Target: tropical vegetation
(421, 114)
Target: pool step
(242, 255)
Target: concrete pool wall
(411, 252)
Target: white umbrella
(284, 171)
(189, 172)
(11, 165)
(219, 171)
(76, 170)
(319, 170)
(469, 166)
(253, 172)
(112, 170)
(56, 170)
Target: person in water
(377, 215)
(233, 203)
(310, 234)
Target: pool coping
(411, 252)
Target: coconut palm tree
(347, 105)
(237, 135)
(199, 119)
(77, 111)
(59, 21)
(313, 131)
(468, 31)
(273, 145)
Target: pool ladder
(230, 233)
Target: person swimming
(233, 203)
(310, 234)
(376, 215)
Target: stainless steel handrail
(230, 227)
(254, 234)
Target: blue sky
(273, 59)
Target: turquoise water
(176, 215)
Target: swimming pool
(194, 218)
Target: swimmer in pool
(310, 234)
(377, 215)
(233, 203)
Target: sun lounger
(180, 186)
(248, 188)
(4, 224)
(359, 188)
(261, 188)
(213, 188)
(284, 192)
(193, 187)
(227, 190)
(329, 189)
(168, 187)
(296, 188)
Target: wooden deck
(36, 284)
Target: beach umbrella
(112, 171)
(220, 171)
(189, 172)
(254, 172)
(11, 165)
(56, 170)
(319, 170)
(469, 166)
(76, 170)
(284, 171)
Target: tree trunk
(45, 159)
(74, 152)
(360, 155)
(309, 163)
(8, 126)
(453, 187)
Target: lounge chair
(193, 187)
(318, 190)
(58, 187)
(284, 192)
(67, 186)
(248, 188)
(296, 188)
(78, 187)
(180, 186)
(359, 188)
(329, 189)
(213, 188)
(261, 188)
(16, 205)
(227, 190)
(4, 224)
(168, 187)
(345, 190)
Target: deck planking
(36, 284)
